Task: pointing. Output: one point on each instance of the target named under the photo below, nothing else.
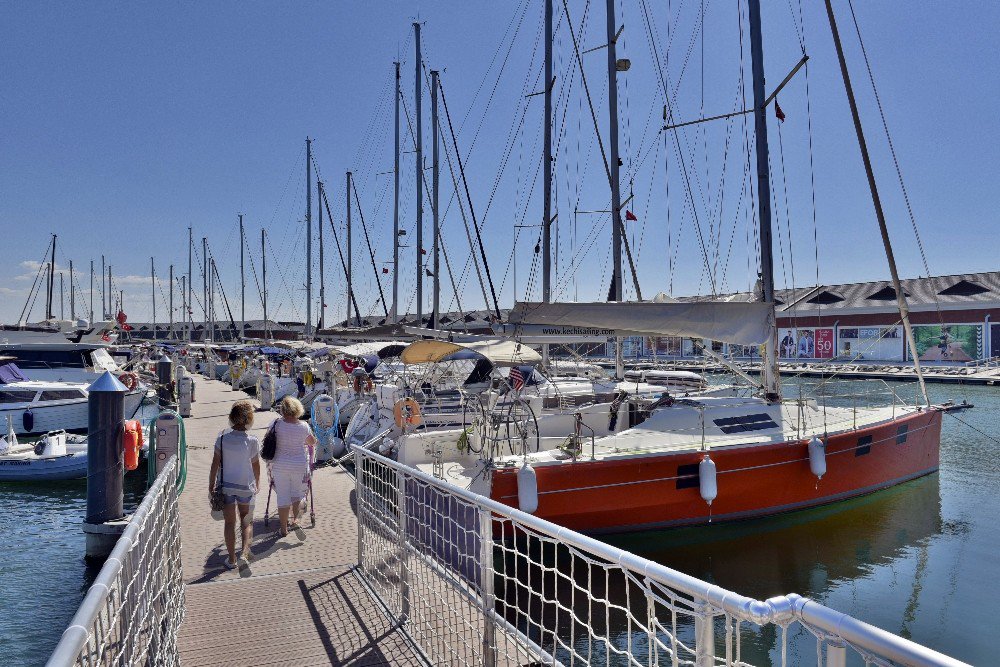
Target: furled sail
(741, 323)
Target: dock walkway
(299, 602)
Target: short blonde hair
(291, 407)
(241, 415)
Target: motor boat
(56, 456)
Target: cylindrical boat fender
(527, 489)
(28, 420)
(707, 483)
(817, 457)
(133, 443)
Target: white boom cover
(500, 352)
(741, 323)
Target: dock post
(165, 383)
(105, 520)
(486, 586)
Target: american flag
(516, 378)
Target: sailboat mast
(72, 293)
(204, 278)
(62, 298)
(263, 278)
(904, 310)
(170, 306)
(243, 283)
(395, 213)
(435, 173)
(111, 314)
(308, 237)
(104, 293)
(52, 281)
(91, 320)
(769, 360)
(616, 197)
(350, 270)
(189, 308)
(152, 283)
(420, 180)
(321, 320)
(547, 164)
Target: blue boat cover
(11, 373)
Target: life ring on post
(406, 411)
(133, 443)
(130, 380)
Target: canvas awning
(499, 352)
(742, 323)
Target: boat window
(864, 446)
(61, 395)
(16, 396)
(744, 423)
(901, 432)
(688, 476)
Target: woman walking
(235, 471)
(290, 467)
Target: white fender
(817, 457)
(267, 391)
(186, 393)
(706, 480)
(527, 489)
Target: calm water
(921, 559)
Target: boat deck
(300, 602)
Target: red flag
(106, 338)
(121, 317)
(516, 378)
(778, 113)
(126, 327)
(630, 216)
(423, 252)
(385, 270)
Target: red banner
(824, 344)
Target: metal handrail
(72, 646)
(780, 610)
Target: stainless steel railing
(133, 610)
(475, 582)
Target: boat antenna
(904, 310)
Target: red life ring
(133, 443)
(130, 380)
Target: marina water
(913, 560)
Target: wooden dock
(299, 602)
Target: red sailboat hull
(662, 490)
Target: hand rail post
(360, 499)
(836, 653)
(404, 548)
(486, 585)
(704, 636)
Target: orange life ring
(133, 443)
(130, 380)
(406, 411)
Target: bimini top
(498, 351)
(381, 349)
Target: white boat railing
(474, 582)
(132, 612)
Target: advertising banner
(952, 342)
(824, 343)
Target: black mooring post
(165, 383)
(105, 450)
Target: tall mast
(616, 197)
(321, 320)
(211, 296)
(72, 293)
(350, 270)
(104, 293)
(62, 298)
(91, 319)
(904, 310)
(769, 360)
(309, 237)
(263, 278)
(204, 278)
(152, 282)
(547, 163)
(111, 315)
(52, 281)
(170, 306)
(420, 181)
(395, 213)
(436, 300)
(243, 283)
(189, 308)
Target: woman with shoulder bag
(234, 478)
(290, 466)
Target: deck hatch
(687, 476)
(901, 432)
(864, 446)
(744, 423)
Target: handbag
(218, 498)
(270, 444)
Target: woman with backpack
(291, 464)
(234, 478)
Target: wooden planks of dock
(299, 602)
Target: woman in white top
(291, 464)
(235, 471)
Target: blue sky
(123, 124)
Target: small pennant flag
(630, 216)
(778, 113)
(516, 378)
(423, 252)
(385, 270)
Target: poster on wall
(796, 343)
(951, 342)
(879, 343)
(824, 343)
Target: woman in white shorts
(235, 470)
(290, 466)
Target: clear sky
(122, 124)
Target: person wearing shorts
(291, 465)
(235, 471)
